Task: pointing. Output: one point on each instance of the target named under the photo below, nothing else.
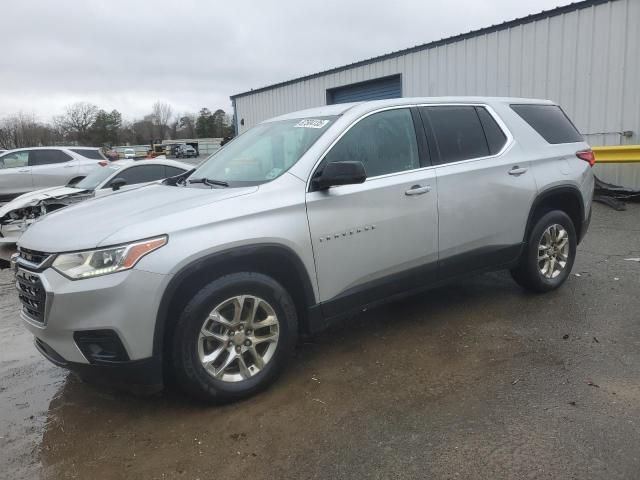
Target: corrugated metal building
(585, 56)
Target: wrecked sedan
(17, 215)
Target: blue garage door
(379, 89)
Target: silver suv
(306, 218)
(27, 169)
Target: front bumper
(125, 303)
(142, 376)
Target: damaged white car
(18, 214)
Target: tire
(242, 377)
(538, 277)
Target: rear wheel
(234, 337)
(549, 253)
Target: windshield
(264, 152)
(96, 177)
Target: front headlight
(93, 263)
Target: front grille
(33, 256)
(31, 294)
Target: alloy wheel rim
(553, 251)
(238, 338)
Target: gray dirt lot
(474, 380)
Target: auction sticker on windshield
(311, 123)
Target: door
(484, 188)
(378, 238)
(51, 168)
(376, 89)
(15, 174)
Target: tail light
(587, 156)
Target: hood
(87, 224)
(33, 198)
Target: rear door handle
(418, 190)
(24, 170)
(517, 171)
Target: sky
(127, 54)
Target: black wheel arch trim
(543, 195)
(207, 261)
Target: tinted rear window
(92, 154)
(550, 122)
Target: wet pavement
(474, 380)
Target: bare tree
(162, 113)
(76, 121)
(24, 130)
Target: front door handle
(24, 170)
(418, 190)
(517, 170)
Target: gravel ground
(476, 380)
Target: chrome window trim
(508, 144)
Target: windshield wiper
(173, 181)
(209, 181)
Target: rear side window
(495, 136)
(458, 132)
(47, 157)
(86, 153)
(550, 122)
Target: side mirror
(118, 183)
(340, 173)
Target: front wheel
(549, 253)
(234, 337)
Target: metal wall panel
(588, 60)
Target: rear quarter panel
(553, 165)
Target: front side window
(141, 174)
(47, 157)
(263, 153)
(14, 160)
(384, 142)
(458, 132)
(172, 171)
